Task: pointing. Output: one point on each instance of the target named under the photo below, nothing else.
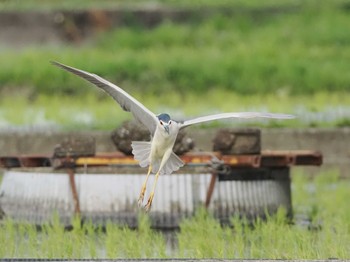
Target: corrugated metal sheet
(251, 198)
(35, 196)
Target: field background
(279, 56)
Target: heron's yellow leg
(143, 188)
(150, 199)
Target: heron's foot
(142, 195)
(149, 202)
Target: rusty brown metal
(306, 159)
(200, 157)
(210, 188)
(24, 161)
(242, 160)
(265, 159)
(71, 174)
(34, 161)
(9, 162)
(295, 157)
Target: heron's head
(164, 121)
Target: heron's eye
(161, 122)
(169, 122)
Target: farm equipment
(240, 179)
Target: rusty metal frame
(210, 189)
(265, 159)
(73, 186)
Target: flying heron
(157, 154)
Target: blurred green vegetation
(84, 4)
(30, 5)
(298, 53)
(270, 61)
(100, 112)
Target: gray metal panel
(35, 196)
(250, 198)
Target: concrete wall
(334, 143)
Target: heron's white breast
(162, 141)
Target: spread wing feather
(126, 101)
(233, 115)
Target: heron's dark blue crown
(164, 117)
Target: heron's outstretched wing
(233, 115)
(126, 101)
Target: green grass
(296, 53)
(323, 200)
(100, 112)
(83, 241)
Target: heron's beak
(166, 127)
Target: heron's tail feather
(141, 151)
(173, 164)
